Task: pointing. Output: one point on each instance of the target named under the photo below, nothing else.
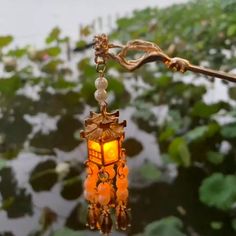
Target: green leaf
(133, 147)
(196, 133)
(3, 163)
(53, 51)
(5, 41)
(170, 226)
(7, 203)
(43, 176)
(53, 35)
(216, 225)
(67, 232)
(215, 157)
(233, 223)
(150, 172)
(166, 134)
(20, 52)
(231, 31)
(52, 66)
(203, 110)
(232, 93)
(81, 44)
(116, 86)
(9, 86)
(179, 152)
(229, 131)
(219, 191)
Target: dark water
(174, 194)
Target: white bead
(100, 95)
(101, 83)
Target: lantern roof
(103, 127)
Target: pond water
(39, 132)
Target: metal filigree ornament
(106, 183)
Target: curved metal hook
(150, 53)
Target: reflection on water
(30, 186)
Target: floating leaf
(43, 176)
(229, 130)
(3, 163)
(150, 172)
(196, 133)
(133, 147)
(233, 223)
(179, 152)
(67, 232)
(204, 110)
(72, 188)
(232, 93)
(219, 191)
(170, 226)
(216, 225)
(9, 86)
(231, 30)
(215, 157)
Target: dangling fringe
(106, 188)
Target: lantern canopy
(104, 136)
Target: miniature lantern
(104, 138)
(106, 183)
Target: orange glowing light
(110, 150)
(104, 153)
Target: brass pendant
(106, 183)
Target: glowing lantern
(106, 183)
(104, 138)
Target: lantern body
(104, 153)
(106, 182)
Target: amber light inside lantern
(103, 153)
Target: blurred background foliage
(187, 186)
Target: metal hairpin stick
(151, 53)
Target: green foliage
(150, 172)
(216, 225)
(165, 227)
(179, 152)
(215, 157)
(5, 41)
(43, 176)
(67, 232)
(53, 35)
(3, 163)
(219, 191)
(229, 131)
(189, 134)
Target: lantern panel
(111, 152)
(94, 152)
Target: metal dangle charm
(106, 183)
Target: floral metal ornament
(106, 183)
(151, 52)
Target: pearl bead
(104, 187)
(104, 199)
(100, 95)
(101, 83)
(122, 183)
(90, 195)
(122, 195)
